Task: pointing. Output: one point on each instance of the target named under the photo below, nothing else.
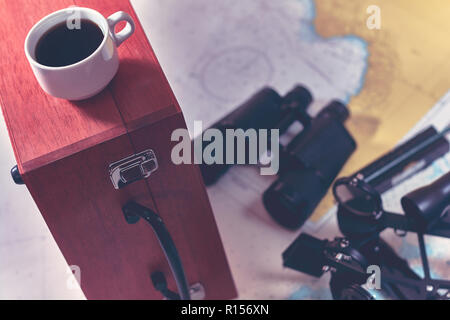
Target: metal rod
(407, 154)
(423, 256)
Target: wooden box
(64, 150)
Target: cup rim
(44, 19)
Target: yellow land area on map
(409, 69)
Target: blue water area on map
(308, 32)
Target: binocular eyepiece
(308, 164)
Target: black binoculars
(308, 164)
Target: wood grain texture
(151, 98)
(181, 199)
(64, 148)
(83, 213)
(42, 123)
(91, 121)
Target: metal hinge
(134, 168)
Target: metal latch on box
(134, 168)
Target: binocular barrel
(259, 112)
(427, 204)
(265, 110)
(312, 161)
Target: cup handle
(126, 32)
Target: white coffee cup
(88, 77)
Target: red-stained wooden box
(63, 150)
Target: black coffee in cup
(62, 46)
